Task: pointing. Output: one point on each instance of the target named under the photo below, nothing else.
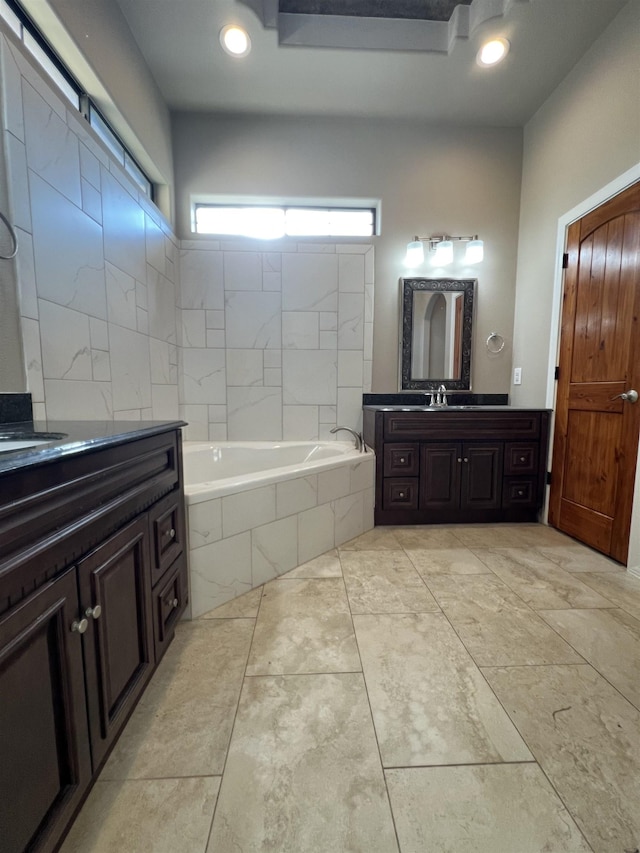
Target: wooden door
(45, 764)
(481, 476)
(118, 648)
(596, 431)
(439, 477)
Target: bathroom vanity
(457, 463)
(93, 579)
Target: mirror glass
(436, 321)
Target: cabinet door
(44, 746)
(440, 476)
(481, 476)
(118, 644)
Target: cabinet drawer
(520, 458)
(401, 460)
(167, 534)
(450, 425)
(520, 492)
(400, 493)
(169, 602)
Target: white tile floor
(422, 690)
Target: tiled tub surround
(276, 344)
(249, 529)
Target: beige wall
(94, 39)
(584, 136)
(460, 180)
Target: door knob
(628, 396)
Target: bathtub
(258, 509)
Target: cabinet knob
(459, 458)
(79, 626)
(401, 494)
(402, 458)
(465, 459)
(523, 458)
(520, 492)
(171, 533)
(175, 602)
(93, 612)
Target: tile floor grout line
(233, 725)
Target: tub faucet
(359, 440)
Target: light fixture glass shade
(443, 254)
(415, 254)
(475, 252)
(492, 52)
(235, 40)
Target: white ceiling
(179, 40)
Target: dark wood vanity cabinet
(473, 465)
(93, 579)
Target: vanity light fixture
(442, 248)
(492, 52)
(235, 40)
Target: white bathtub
(258, 509)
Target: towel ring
(495, 343)
(14, 239)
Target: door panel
(440, 476)
(596, 434)
(481, 476)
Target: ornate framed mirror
(436, 332)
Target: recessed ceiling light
(235, 40)
(493, 51)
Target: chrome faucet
(440, 399)
(359, 440)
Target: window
(274, 221)
(17, 19)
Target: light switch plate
(517, 376)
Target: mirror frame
(436, 285)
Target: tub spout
(359, 440)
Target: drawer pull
(93, 612)
(402, 459)
(520, 492)
(523, 458)
(401, 494)
(79, 626)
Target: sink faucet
(440, 399)
(359, 440)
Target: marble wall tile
(12, 111)
(160, 365)
(245, 510)
(362, 474)
(33, 359)
(18, 181)
(72, 400)
(201, 280)
(350, 407)
(101, 366)
(26, 276)
(299, 422)
(197, 418)
(161, 306)
(274, 549)
(124, 228)
(351, 321)
(350, 369)
(244, 367)
(351, 273)
(430, 703)
(89, 166)
(220, 571)
(91, 201)
(348, 517)
(254, 414)
(293, 496)
(502, 807)
(216, 338)
(315, 532)
(242, 271)
(52, 148)
(214, 319)
(164, 402)
(66, 342)
(297, 369)
(253, 320)
(121, 297)
(334, 483)
(300, 330)
(584, 735)
(68, 252)
(283, 752)
(309, 282)
(130, 369)
(203, 376)
(193, 328)
(154, 242)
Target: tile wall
(121, 321)
(96, 264)
(276, 344)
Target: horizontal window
(17, 19)
(272, 222)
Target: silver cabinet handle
(628, 396)
(79, 626)
(93, 612)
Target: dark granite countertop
(453, 407)
(77, 437)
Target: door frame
(613, 188)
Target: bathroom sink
(21, 440)
(11, 444)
